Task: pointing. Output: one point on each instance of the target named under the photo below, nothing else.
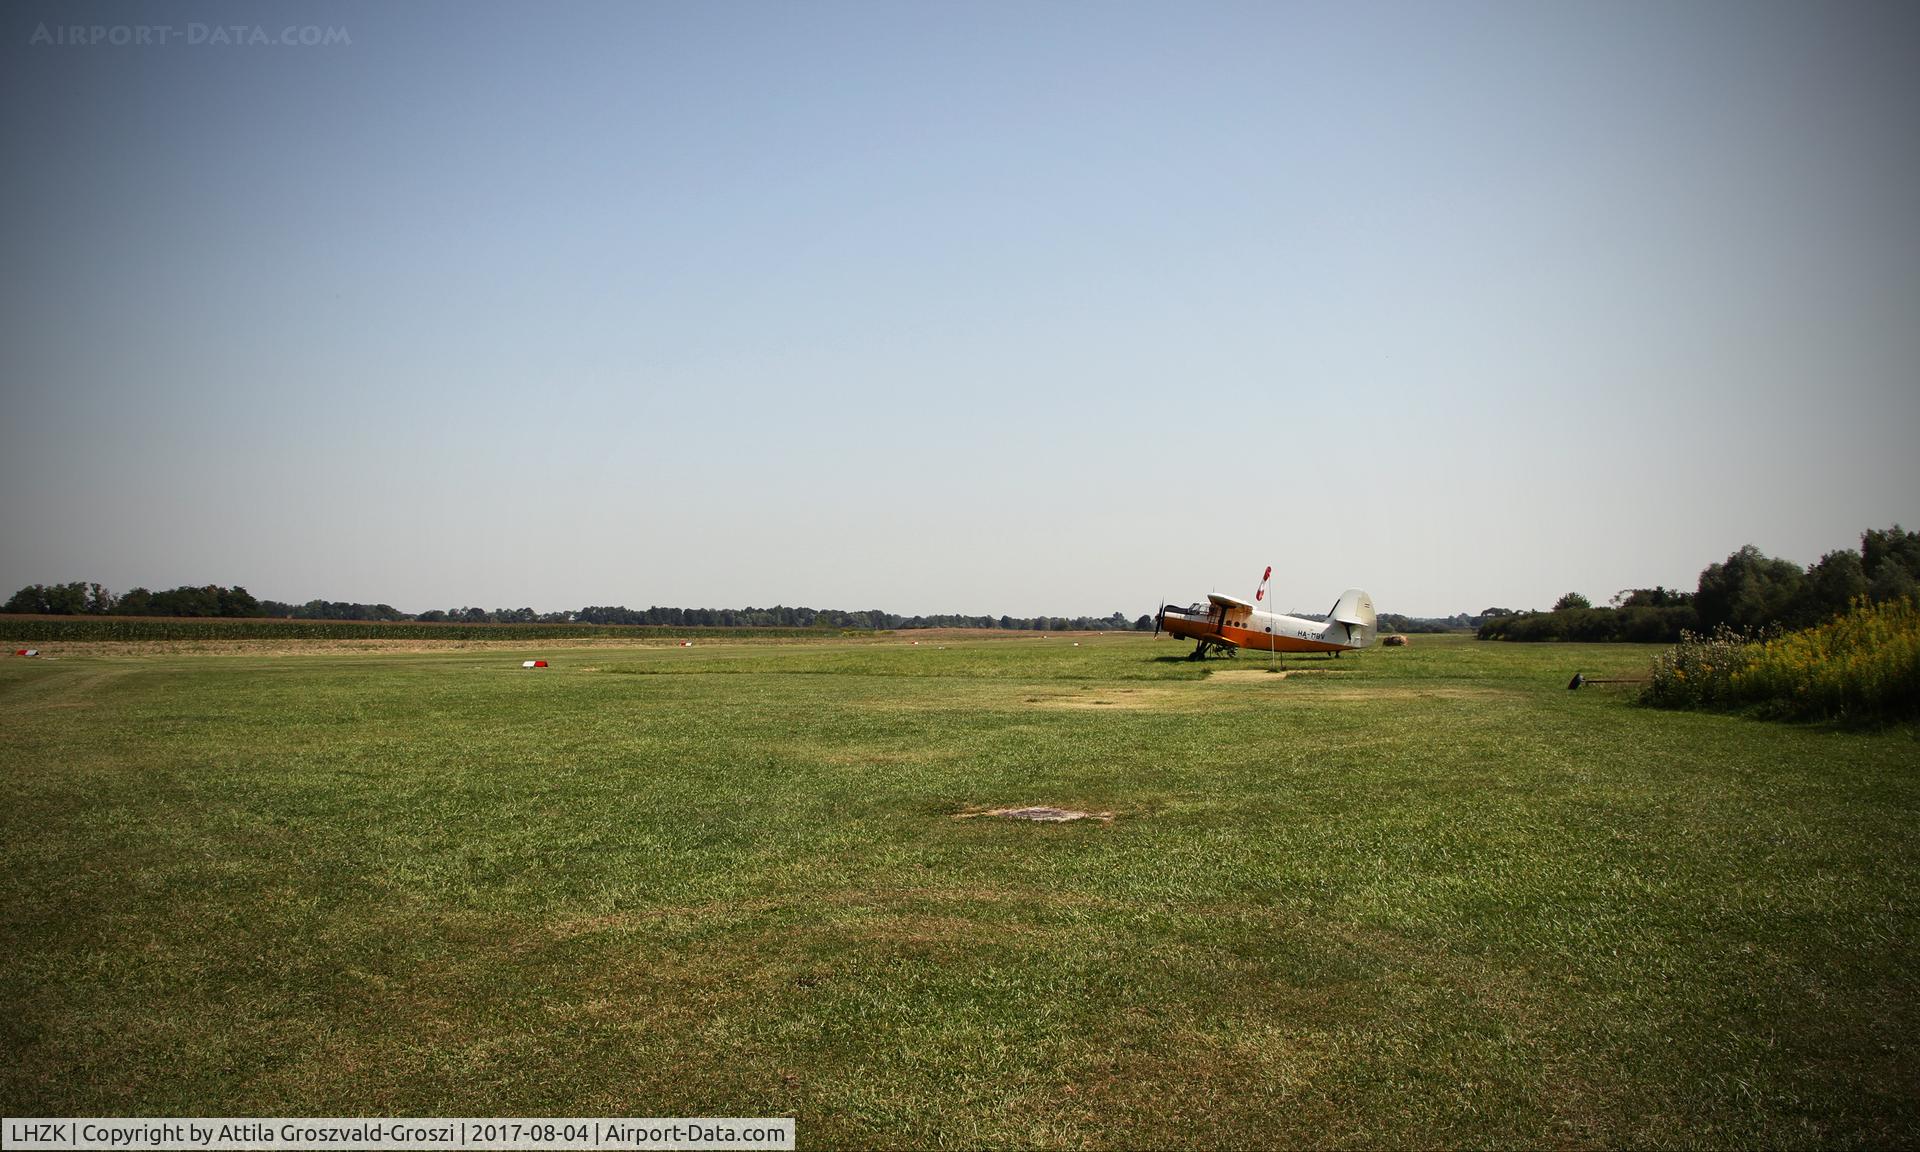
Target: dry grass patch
(1408, 692)
(1120, 698)
(1258, 675)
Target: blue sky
(1026, 308)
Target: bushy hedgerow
(1662, 625)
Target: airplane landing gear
(1205, 648)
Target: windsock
(1261, 593)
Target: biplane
(1226, 624)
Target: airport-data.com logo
(189, 35)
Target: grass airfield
(1414, 897)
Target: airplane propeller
(1159, 617)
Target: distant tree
(28, 599)
(50, 599)
(1893, 547)
(1893, 582)
(187, 600)
(1571, 600)
(236, 601)
(1658, 596)
(1751, 590)
(1834, 581)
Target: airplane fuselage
(1260, 631)
(1224, 623)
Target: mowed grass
(1417, 897)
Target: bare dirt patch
(1117, 698)
(1038, 813)
(1247, 676)
(1403, 692)
(1263, 676)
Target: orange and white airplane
(1229, 625)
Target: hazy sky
(1037, 307)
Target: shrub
(1698, 672)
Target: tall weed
(1864, 664)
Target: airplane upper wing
(1228, 601)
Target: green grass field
(1412, 897)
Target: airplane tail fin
(1353, 620)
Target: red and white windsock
(1261, 592)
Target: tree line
(88, 599)
(1748, 591)
(212, 600)
(1459, 622)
